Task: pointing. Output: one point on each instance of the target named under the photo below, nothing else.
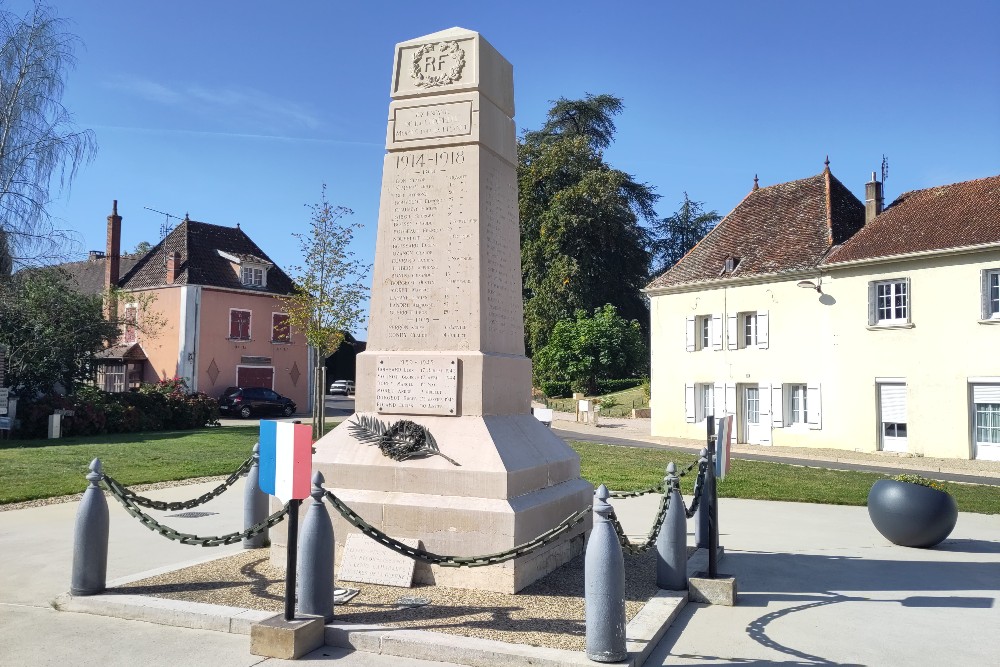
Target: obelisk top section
(453, 61)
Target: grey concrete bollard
(671, 543)
(701, 518)
(255, 504)
(316, 553)
(90, 538)
(604, 586)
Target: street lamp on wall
(808, 284)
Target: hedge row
(164, 406)
(556, 389)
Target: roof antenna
(885, 173)
(165, 229)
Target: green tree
(51, 331)
(142, 248)
(582, 244)
(602, 346)
(330, 289)
(40, 149)
(675, 235)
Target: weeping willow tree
(40, 148)
(330, 291)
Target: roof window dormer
(252, 271)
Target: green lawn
(629, 468)
(626, 399)
(35, 469)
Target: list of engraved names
(416, 384)
(433, 245)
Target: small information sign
(4, 396)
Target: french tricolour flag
(285, 459)
(722, 455)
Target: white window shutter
(716, 331)
(731, 331)
(872, 305)
(984, 294)
(909, 300)
(814, 408)
(719, 399)
(689, 408)
(762, 329)
(764, 394)
(689, 334)
(777, 405)
(731, 408)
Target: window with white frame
(748, 329)
(704, 332)
(239, 324)
(706, 400)
(749, 323)
(253, 276)
(986, 420)
(111, 377)
(797, 411)
(991, 294)
(889, 302)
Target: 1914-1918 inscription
(416, 384)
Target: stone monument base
(515, 480)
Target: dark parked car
(249, 401)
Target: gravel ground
(546, 613)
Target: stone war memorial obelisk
(446, 335)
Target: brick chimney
(173, 266)
(873, 199)
(113, 256)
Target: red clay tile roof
(200, 263)
(779, 228)
(948, 216)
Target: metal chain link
(162, 506)
(654, 532)
(453, 561)
(120, 494)
(653, 489)
(699, 484)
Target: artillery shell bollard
(315, 589)
(701, 518)
(671, 543)
(255, 505)
(604, 586)
(90, 538)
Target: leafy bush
(162, 406)
(556, 389)
(611, 386)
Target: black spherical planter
(911, 515)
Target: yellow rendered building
(819, 321)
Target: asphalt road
(811, 463)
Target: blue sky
(238, 112)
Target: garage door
(892, 417)
(255, 376)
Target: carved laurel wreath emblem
(438, 77)
(400, 441)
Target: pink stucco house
(217, 293)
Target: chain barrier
(699, 484)
(653, 489)
(638, 548)
(162, 506)
(454, 561)
(120, 494)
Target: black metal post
(713, 508)
(291, 558)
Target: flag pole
(291, 558)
